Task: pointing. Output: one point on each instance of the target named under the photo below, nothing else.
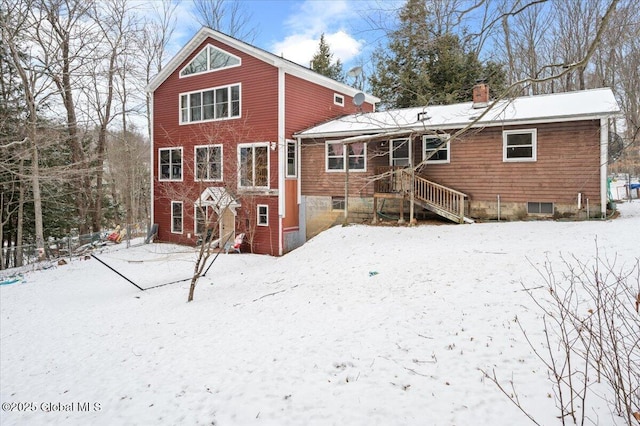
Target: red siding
(258, 123)
(306, 104)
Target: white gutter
(604, 158)
(152, 150)
(442, 126)
(282, 148)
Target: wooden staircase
(395, 182)
(441, 200)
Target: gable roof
(288, 66)
(570, 106)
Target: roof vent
(423, 116)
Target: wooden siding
(317, 181)
(291, 219)
(568, 162)
(258, 123)
(308, 104)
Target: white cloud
(311, 20)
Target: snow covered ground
(360, 326)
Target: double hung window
(170, 164)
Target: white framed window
(519, 145)
(210, 59)
(199, 219)
(170, 164)
(338, 154)
(263, 215)
(253, 165)
(433, 149)
(399, 152)
(292, 159)
(338, 99)
(217, 103)
(176, 217)
(208, 162)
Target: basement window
(337, 203)
(537, 207)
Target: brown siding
(317, 181)
(291, 219)
(568, 162)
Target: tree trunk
(20, 221)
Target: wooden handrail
(442, 198)
(445, 201)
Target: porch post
(346, 183)
(375, 209)
(412, 183)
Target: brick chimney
(480, 95)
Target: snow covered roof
(570, 106)
(218, 198)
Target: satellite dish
(354, 72)
(358, 99)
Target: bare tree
(67, 42)
(152, 43)
(226, 16)
(14, 28)
(116, 26)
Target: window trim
(195, 162)
(345, 158)
(392, 150)
(196, 209)
(289, 143)
(254, 145)
(446, 148)
(182, 122)
(337, 200)
(338, 99)
(534, 146)
(170, 179)
(265, 215)
(206, 48)
(173, 231)
(539, 204)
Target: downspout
(604, 157)
(153, 168)
(282, 146)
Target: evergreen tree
(423, 67)
(322, 62)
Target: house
(223, 118)
(528, 157)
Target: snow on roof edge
(566, 106)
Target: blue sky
(292, 28)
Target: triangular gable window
(210, 59)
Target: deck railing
(445, 201)
(391, 180)
(442, 198)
